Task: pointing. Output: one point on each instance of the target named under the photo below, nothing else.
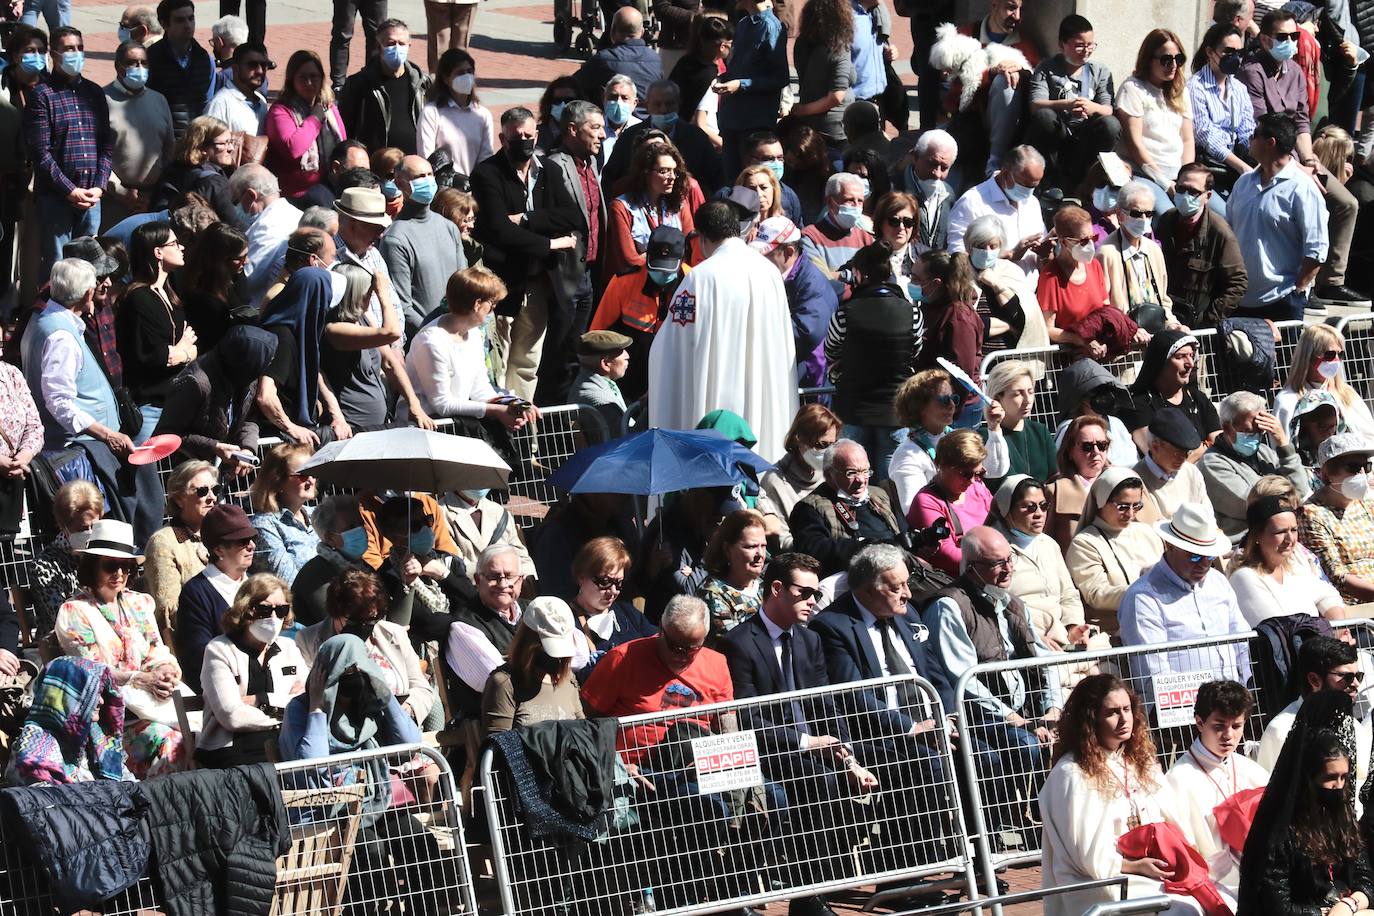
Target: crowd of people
(682, 237)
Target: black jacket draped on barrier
(563, 772)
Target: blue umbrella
(658, 461)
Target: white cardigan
(224, 679)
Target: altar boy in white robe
(1212, 771)
(726, 341)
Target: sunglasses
(681, 650)
(1141, 214)
(1285, 36)
(970, 473)
(110, 567)
(1329, 355)
(1198, 558)
(1042, 506)
(1224, 53)
(1172, 60)
(1097, 446)
(804, 592)
(947, 400)
(606, 583)
(901, 222)
(202, 492)
(1347, 677)
(1355, 467)
(261, 610)
(302, 476)
(1129, 507)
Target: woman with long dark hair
(452, 118)
(557, 95)
(824, 70)
(1155, 114)
(536, 684)
(950, 296)
(1305, 852)
(1105, 782)
(655, 195)
(212, 284)
(1223, 118)
(303, 125)
(153, 336)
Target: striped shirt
(67, 127)
(1219, 123)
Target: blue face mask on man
(617, 111)
(1247, 444)
(664, 122)
(73, 62)
(422, 542)
(847, 216)
(422, 190)
(662, 278)
(136, 78)
(394, 56)
(353, 543)
(777, 167)
(1188, 203)
(1019, 193)
(32, 62)
(1284, 50)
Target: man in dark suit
(662, 102)
(570, 192)
(869, 633)
(521, 239)
(805, 741)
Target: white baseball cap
(552, 621)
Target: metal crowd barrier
(371, 832)
(738, 817)
(1152, 904)
(1358, 331)
(1003, 778)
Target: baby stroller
(595, 14)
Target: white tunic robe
(1082, 826)
(1198, 786)
(727, 343)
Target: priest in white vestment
(726, 341)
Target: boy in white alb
(1212, 771)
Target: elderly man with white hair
(844, 513)
(621, 99)
(1008, 195)
(924, 178)
(974, 621)
(1241, 455)
(271, 219)
(1134, 263)
(833, 240)
(227, 33)
(1015, 319)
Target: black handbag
(130, 417)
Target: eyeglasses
(113, 567)
(947, 400)
(1095, 446)
(1172, 60)
(253, 64)
(1285, 36)
(607, 584)
(665, 172)
(901, 222)
(261, 610)
(1082, 46)
(1329, 355)
(1006, 562)
(202, 492)
(1141, 214)
(1042, 506)
(1347, 677)
(498, 579)
(804, 592)
(858, 474)
(680, 650)
(1129, 507)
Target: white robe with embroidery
(1195, 795)
(727, 343)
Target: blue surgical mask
(556, 111)
(617, 111)
(123, 34)
(32, 62)
(394, 56)
(662, 277)
(1247, 444)
(983, 258)
(73, 62)
(475, 495)
(1137, 226)
(776, 166)
(664, 122)
(389, 190)
(1284, 50)
(1188, 203)
(353, 543)
(245, 219)
(915, 292)
(1104, 199)
(866, 187)
(848, 217)
(422, 542)
(1020, 193)
(422, 190)
(136, 78)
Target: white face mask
(1355, 487)
(463, 83)
(266, 630)
(1329, 369)
(812, 457)
(78, 540)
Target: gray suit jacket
(563, 200)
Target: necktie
(789, 679)
(907, 694)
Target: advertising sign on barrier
(727, 762)
(1175, 695)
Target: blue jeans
(879, 441)
(55, 12)
(151, 415)
(59, 222)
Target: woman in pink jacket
(303, 125)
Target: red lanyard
(1134, 820)
(1234, 787)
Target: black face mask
(520, 151)
(1104, 402)
(1331, 799)
(361, 629)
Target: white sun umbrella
(409, 459)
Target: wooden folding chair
(313, 875)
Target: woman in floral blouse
(21, 437)
(735, 558)
(75, 508)
(108, 623)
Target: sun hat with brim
(1195, 530)
(112, 538)
(1341, 446)
(365, 205)
(551, 620)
